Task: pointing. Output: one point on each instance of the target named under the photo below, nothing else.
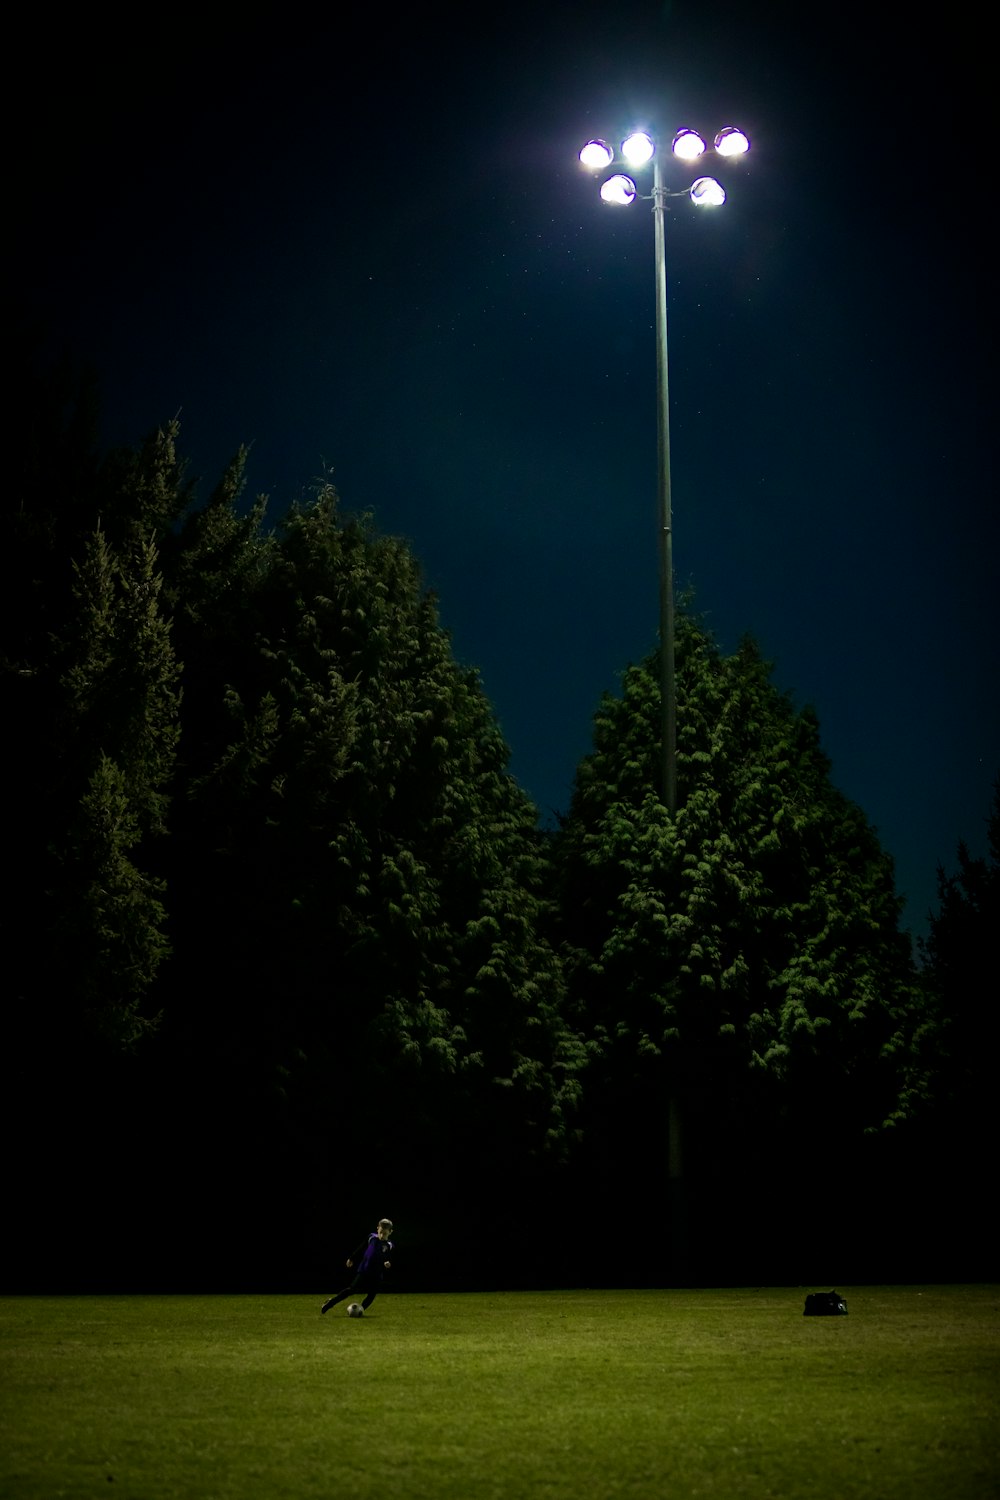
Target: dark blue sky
(368, 250)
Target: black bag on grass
(824, 1305)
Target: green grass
(561, 1395)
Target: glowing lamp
(707, 193)
(732, 142)
(618, 190)
(597, 155)
(638, 149)
(688, 145)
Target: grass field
(562, 1395)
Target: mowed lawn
(564, 1395)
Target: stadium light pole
(637, 150)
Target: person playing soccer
(368, 1262)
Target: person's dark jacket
(368, 1261)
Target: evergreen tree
(90, 681)
(272, 813)
(738, 966)
(119, 728)
(359, 879)
(954, 1042)
(90, 689)
(944, 1047)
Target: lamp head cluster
(639, 148)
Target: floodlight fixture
(732, 142)
(638, 148)
(688, 145)
(618, 189)
(597, 155)
(707, 193)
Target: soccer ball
(355, 1310)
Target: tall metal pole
(668, 693)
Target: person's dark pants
(371, 1292)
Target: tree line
(286, 945)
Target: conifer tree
(359, 879)
(944, 1047)
(118, 735)
(953, 1038)
(90, 680)
(273, 822)
(739, 964)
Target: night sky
(366, 248)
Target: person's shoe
(327, 1305)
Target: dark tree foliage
(358, 877)
(90, 700)
(90, 680)
(272, 837)
(286, 947)
(954, 1048)
(118, 732)
(739, 970)
(936, 1165)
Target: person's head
(384, 1228)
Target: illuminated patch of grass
(562, 1395)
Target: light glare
(688, 145)
(597, 155)
(732, 142)
(618, 190)
(638, 149)
(707, 193)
